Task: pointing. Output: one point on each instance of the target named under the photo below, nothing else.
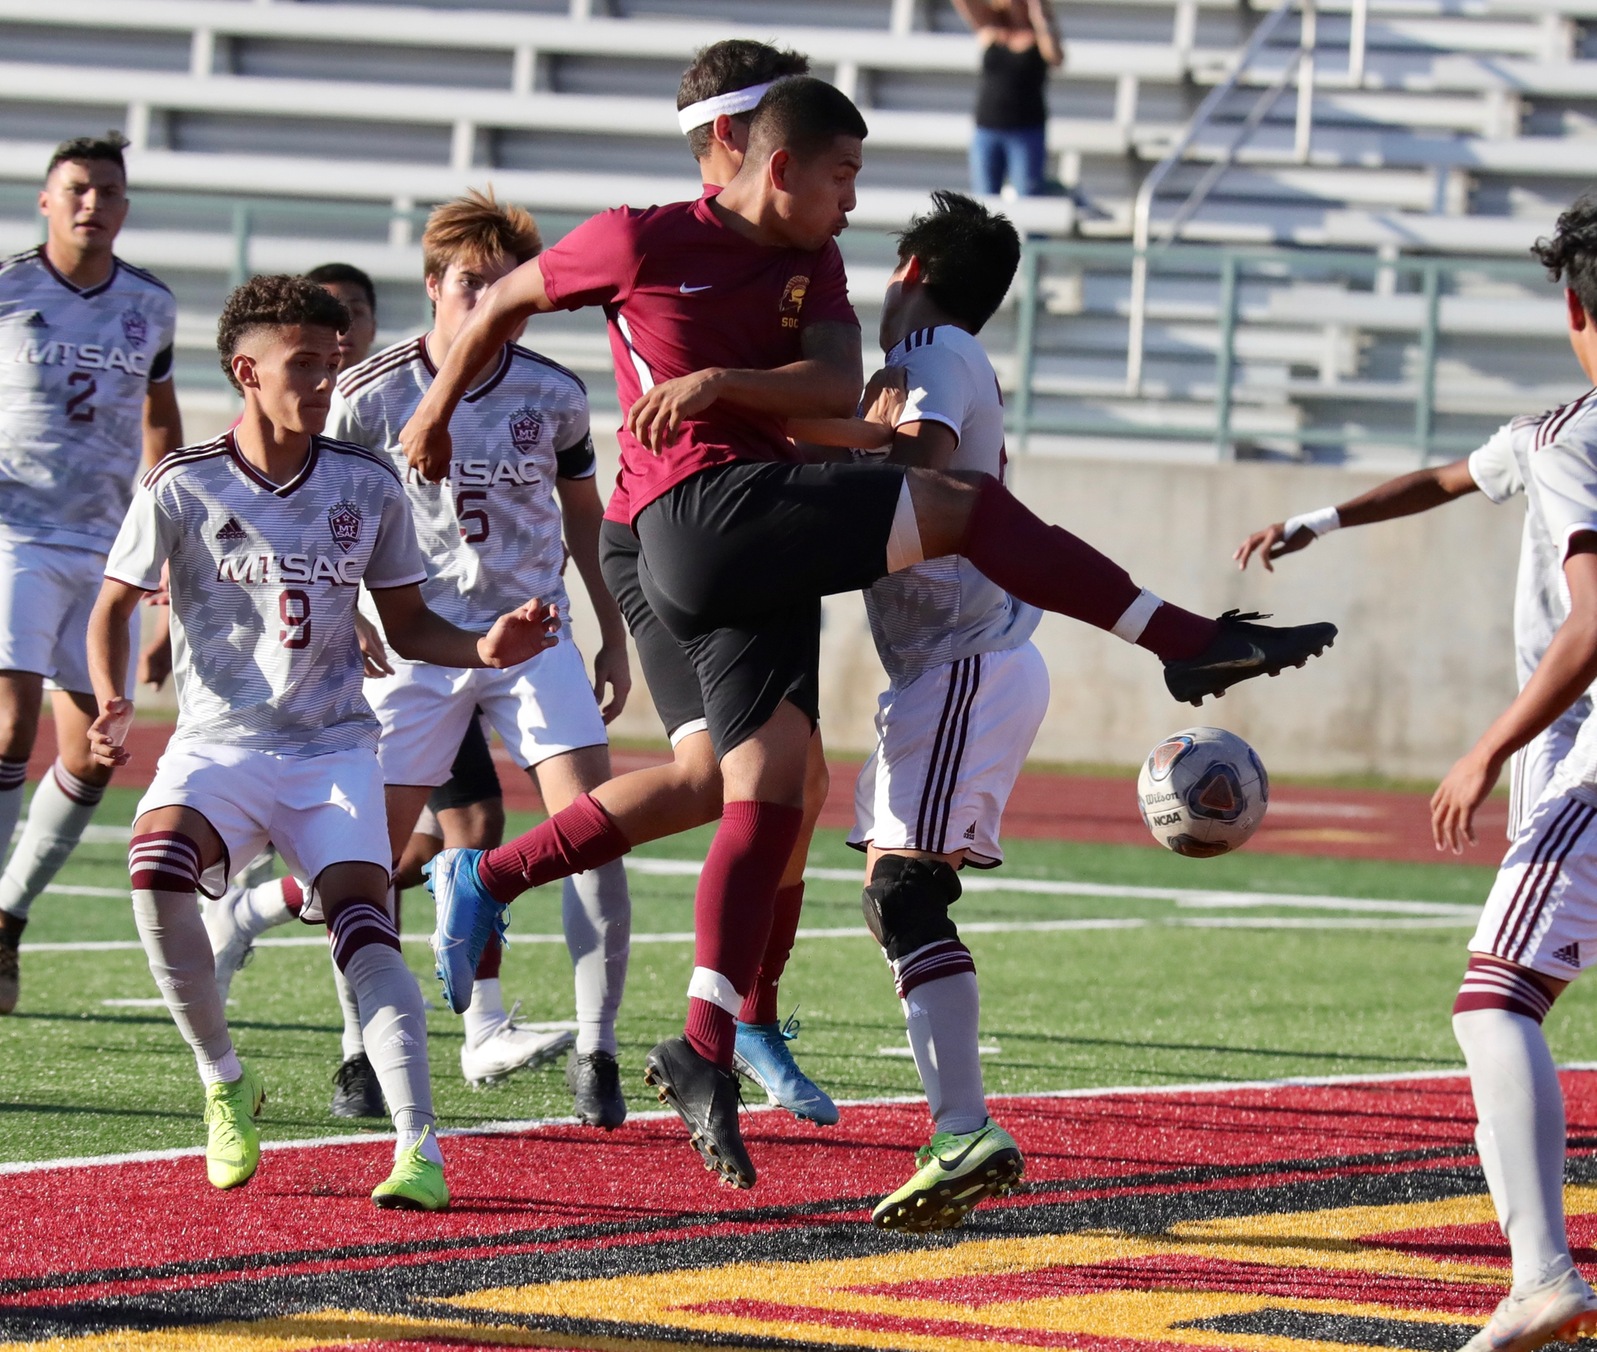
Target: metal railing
(1302, 65)
(1427, 279)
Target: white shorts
(543, 708)
(1531, 770)
(1542, 910)
(949, 746)
(46, 594)
(317, 810)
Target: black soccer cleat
(594, 1080)
(706, 1098)
(356, 1092)
(1243, 650)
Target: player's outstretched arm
(883, 401)
(503, 308)
(108, 656)
(1406, 495)
(824, 383)
(1566, 671)
(581, 513)
(419, 635)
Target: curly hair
(274, 302)
(1571, 254)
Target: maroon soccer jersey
(683, 292)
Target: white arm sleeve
(1494, 468)
(396, 558)
(141, 547)
(939, 387)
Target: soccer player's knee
(906, 903)
(164, 861)
(357, 924)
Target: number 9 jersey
(490, 532)
(264, 581)
(75, 365)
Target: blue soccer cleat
(761, 1055)
(467, 918)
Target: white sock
(353, 1042)
(942, 1018)
(596, 913)
(262, 907)
(486, 1012)
(394, 1026)
(1520, 1109)
(62, 806)
(179, 951)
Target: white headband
(707, 110)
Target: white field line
(535, 1124)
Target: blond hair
(475, 229)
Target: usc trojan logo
(793, 300)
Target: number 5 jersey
(264, 582)
(490, 532)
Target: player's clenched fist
(110, 730)
(520, 635)
(427, 447)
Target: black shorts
(673, 684)
(472, 778)
(735, 562)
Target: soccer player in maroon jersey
(715, 103)
(729, 316)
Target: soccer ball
(1203, 792)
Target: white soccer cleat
(509, 1048)
(231, 942)
(1560, 1309)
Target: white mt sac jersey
(946, 609)
(75, 366)
(490, 532)
(264, 581)
(1552, 459)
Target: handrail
(1302, 64)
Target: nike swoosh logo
(955, 1161)
(687, 290)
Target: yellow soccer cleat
(416, 1184)
(233, 1145)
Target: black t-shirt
(1011, 91)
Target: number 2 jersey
(490, 532)
(264, 581)
(75, 365)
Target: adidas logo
(37, 321)
(1569, 953)
(232, 531)
(970, 831)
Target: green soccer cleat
(417, 1184)
(955, 1173)
(232, 1144)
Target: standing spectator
(1019, 42)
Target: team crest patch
(135, 327)
(1166, 754)
(525, 425)
(343, 519)
(793, 295)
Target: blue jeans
(1021, 149)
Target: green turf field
(1202, 989)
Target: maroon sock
(488, 964)
(293, 894)
(1048, 567)
(759, 1006)
(574, 840)
(732, 911)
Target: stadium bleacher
(277, 135)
